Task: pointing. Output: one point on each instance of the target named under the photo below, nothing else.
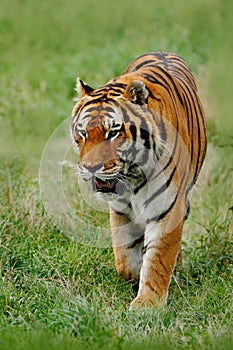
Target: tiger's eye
(113, 134)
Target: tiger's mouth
(108, 188)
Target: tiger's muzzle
(108, 184)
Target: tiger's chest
(149, 203)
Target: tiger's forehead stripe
(89, 117)
(106, 93)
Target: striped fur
(142, 142)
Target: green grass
(56, 292)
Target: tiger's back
(170, 69)
(142, 142)
(163, 70)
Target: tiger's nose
(92, 167)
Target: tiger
(141, 140)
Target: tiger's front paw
(129, 273)
(148, 301)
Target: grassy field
(56, 292)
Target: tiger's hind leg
(128, 241)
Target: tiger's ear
(137, 92)
(82, 88)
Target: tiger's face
(106, 143)
(99, 135)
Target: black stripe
(91, 109)
(135, 113)
(152, 79)
(161, 189)
(144, 249)
(170, 78)
(122, 128)
(190, 125)
(176, 66)
(144, 134)
(161, 216)
(86, 117)
(187, 110)
(137, 241)
(151, 95)
(133, 130)
(118, 212)
(115, 85)
(164, 83)
(115, 126)
(109, 109)
(141, 185)
(98, 100)
(148, 284)
(132, 167)
(115, 93)
(122, 200)
(196, 113)
(170, 159)
(144, 63)
(187, 209)
(157, 152)
(125, 115)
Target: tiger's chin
(107, 197)
(108, 190)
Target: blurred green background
(45, 45)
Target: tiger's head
(105, 129)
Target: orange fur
(144, 132)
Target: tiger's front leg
(159, 258)
(127, 239)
